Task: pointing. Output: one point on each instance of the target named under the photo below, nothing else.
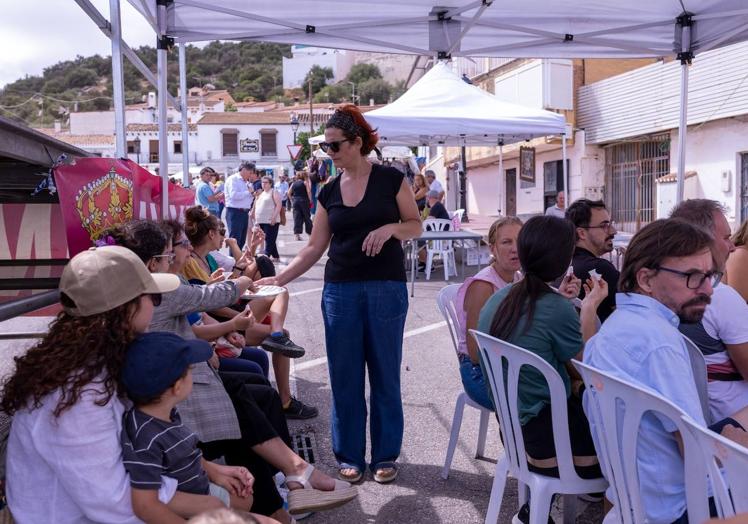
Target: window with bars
(268, 142)
(631, 170)
(177, 147)
(230, 143)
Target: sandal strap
(302, 479)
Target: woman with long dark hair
(534, 316)
(66, 396)
(363, 216)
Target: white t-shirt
(436, 186)
(68, 470)
(726, 321)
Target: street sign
(294, 151)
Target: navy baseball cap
(155, 361)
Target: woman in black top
(363, 216)
(299, 193)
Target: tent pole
(463, 183)
(565, 168)
(186, 177)
(118, 85)
(163, 135)
(682, 132)
(502, 180)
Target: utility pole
(311, 110)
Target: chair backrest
(458, 213)
(727, 463)
(498, 354)
(445, 300)
(438, 224)
(698, 364)
(614, 408)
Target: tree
(303, 139)
(360, 73)
(319, 77)
(334, 93)
(374, 89)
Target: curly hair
(353, 124)
(198, 222)
(75, 352)
(145, 238)
(172, 228)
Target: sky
(35, 34)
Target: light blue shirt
(202, 192)
(640, 343)
(282, 187)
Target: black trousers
(302, 217)
(259, 410)
(271, 236)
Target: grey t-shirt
(152, 447)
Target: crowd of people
(122, 410)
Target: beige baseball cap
(103, 278)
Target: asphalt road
(430, 383)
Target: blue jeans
(474, 383)
(364, 323)
(237, 221)
(251, 360)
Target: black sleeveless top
(350, 225)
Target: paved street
(431, 382)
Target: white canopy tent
(442, 109)
(472, 28)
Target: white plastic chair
(495, 353)
(443, 248)
(614, 408)
(446, 302)
(727, 464)
(458, 213)
(698, 365)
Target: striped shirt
(152, 447)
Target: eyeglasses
(184, 243)
(169, 256)
(333, 146)
(155, 298)
(695, 279)
(607, 225)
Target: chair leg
(570, 509)
(521, 494)
(540, 505)
(454, 434)
(429, 261)
(445, 260)
(482, 430)
(497, 491)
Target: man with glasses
(594, 233)
(239, 199)
(722, 335)
(668, 277)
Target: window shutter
(268, 144)
(230, 144)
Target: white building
(227, 139)
(304, 58)
(142, 145)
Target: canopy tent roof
(441, 108)
(531, 28)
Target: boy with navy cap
(157, 376)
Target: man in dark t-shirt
(594, 237)
(436, 208)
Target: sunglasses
(332, 146)
(169, 256)
(222, 232)
(183, 243)
(155, 298)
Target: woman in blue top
(363, 216)
(532, 315)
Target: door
(743, 187)
(511, 192)
(153, 151)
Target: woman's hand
(231, 242)
(236, 480)
(214, 361)
(216, 276)
(255, 240)
(570, 286)
(375, 240)
(595, 291)
(242, 322)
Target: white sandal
(311, 499)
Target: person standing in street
(266, 214)
(239, 199)
(363, 216)
(205, 195)
(559, 208)
(299, 193)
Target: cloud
(35, 34)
